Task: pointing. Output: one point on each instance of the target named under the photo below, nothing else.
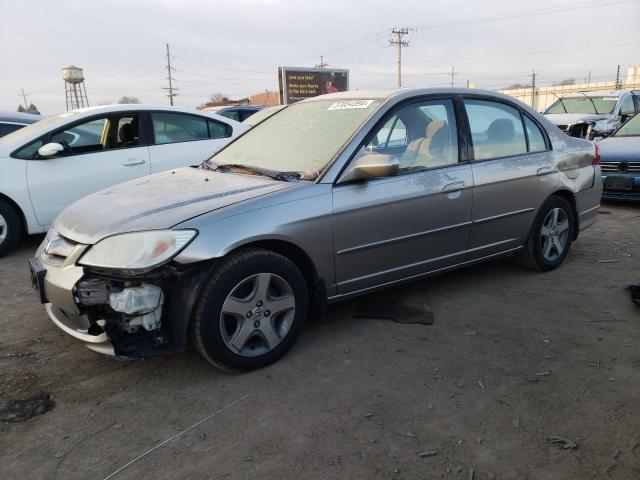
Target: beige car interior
(435, 149)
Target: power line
(523, 13)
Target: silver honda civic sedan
(329, 198)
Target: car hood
(158, 201)
(620, 149)
(571, 118)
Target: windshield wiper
(281, 176)
(592, 103)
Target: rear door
(182, 139)
(512, 171)
(389, 229)
(99, 152)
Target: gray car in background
(621, 162)
(332, 197)
(12, 121)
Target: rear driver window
(496, 129)
(536, 139)
(176, 127)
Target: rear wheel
(550, 238)
(251, 310)
(9, 228)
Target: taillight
(596, 159)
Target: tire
(233, 326)
(10, 228)
(548, 243)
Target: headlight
(606, 125)
(137, 250)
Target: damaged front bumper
(119, 313)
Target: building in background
(267, 98)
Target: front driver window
(87, 137)
(422, 135)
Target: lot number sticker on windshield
(348, 104)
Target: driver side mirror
(50, 149)
(371, 165)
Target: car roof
(19, 117)
(398, 94)
(27, 134)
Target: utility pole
(399, 42)
(171, 93)
(24, 96)
(453, 74)
(618, 78)
(533, 89)
(322, 64)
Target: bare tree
(518, 85)
(566, 81)
(127, 99)
(219, 98)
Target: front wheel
(250, 311)
(550, 238)
(9, 228)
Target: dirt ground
(513, 359)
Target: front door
(98, 153)
(388, 229)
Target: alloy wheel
(257, 314)
(3, 229)
(554, 234)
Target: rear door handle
(544, 170)
(134, 161)
(454, 187)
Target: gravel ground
(513, 360)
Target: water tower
(74, 88)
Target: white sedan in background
(50, 164)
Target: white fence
(543, 97)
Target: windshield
(584, 104)
(36, 127)
(629, 129)
(303, 137)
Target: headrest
(434, 126)
(127, 133)
(501, 129)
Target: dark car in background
(12, 121)
(620, 154)
(239, 113)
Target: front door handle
(453, 187)
(134, 161)
(544, 171)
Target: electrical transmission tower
(399, 41)
(172, 91)
(453, 75)
(322, 64)
(24, 96)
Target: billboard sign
(299, 83)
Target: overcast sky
(235, 46)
